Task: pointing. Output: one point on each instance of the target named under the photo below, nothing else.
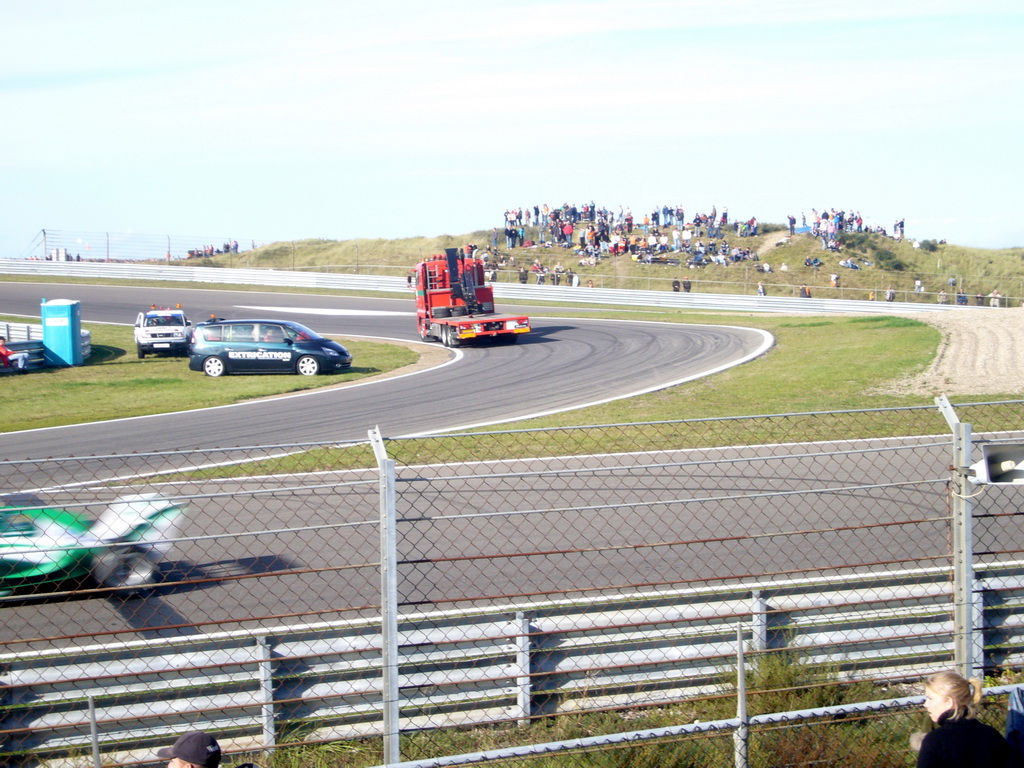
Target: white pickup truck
(160, 329)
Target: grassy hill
(892, 263)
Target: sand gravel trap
(981, 353)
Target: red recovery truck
(454, 304)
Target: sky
(269, 121)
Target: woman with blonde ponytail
(960, 741)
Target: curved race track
(562, 364)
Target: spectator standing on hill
(760, 289)
(961, 297)
(890, 294)
(792, 225)
(943, 297)
(918, 286)
(805, 292)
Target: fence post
(523, 680)
(388, 600)
(962, 542)
(266, 673)
(94, 734)
(758, 621)
(742, 733)
(963, 561)
(978, 647)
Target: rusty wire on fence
(550, 583)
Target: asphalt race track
(560, 365)
(311, 525)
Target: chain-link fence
(416, 598)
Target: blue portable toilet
(62, 332)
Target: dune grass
(893, 263)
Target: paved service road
(562, 364)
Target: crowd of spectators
(209, 251)
(660, 236)
(829, 225)
(665, 236)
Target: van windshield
(302, 333)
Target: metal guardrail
(560, 294)
(503, 664)
(27, 337)
(22, 331)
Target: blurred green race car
(120, 549)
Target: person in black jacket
(960, 740)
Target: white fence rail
(511, 291)
(504, 664)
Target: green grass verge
(817, 365)
(114, 383)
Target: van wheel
(307, 365)
(213, 366)
(141, 352)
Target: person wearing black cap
(195, 748)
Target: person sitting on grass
(18, 359)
